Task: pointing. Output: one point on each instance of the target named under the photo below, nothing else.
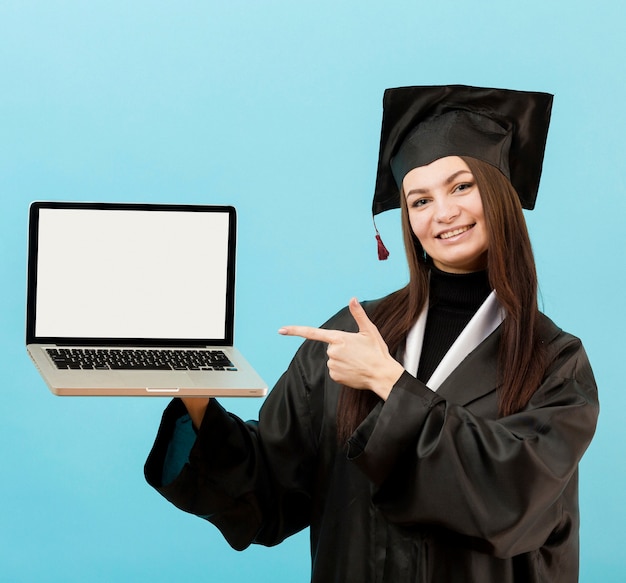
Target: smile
(454, 233)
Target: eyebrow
(448, 180)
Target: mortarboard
(505, 128)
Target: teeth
(449, 234)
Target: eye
(463, 187)
(418, 202)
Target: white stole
(486, 319)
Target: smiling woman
(446, 214)
(433, 435)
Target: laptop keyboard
(139, 359)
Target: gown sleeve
(499, 482)
(253, 480)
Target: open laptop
(135, 299)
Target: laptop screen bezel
(32, 269)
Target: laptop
(135, 299)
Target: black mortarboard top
(505, 128)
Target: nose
(446, 211)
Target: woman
(433, 435)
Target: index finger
(310, 333)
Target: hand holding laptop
(196, 407)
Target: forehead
(435, 174)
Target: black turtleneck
(453, 300)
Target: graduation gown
(431, 487)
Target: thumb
(360, 317)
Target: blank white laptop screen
(132, 274)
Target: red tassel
(382, 250)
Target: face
(446, 214)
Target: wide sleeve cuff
(391, 427)
(177, 441)
(155, 464)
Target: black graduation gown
(431, 487)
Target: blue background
(275, 107)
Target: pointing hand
(359, 360)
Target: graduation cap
(506, 128)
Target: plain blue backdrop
(275, 106)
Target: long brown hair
(512, 274)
